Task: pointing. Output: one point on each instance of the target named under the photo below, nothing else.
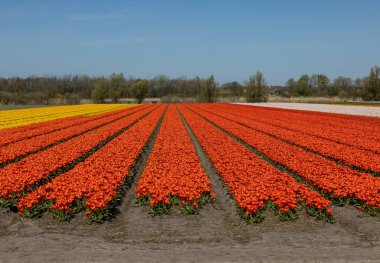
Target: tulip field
(84, 159)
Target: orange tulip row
(14, 131)
(21, 148)
(347, 137)
(173, 168)
(352, 156)
(331, 178)
(342, 124)
(25, 132)
(99, 177)
(252, 181)
(15, 177)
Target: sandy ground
(342, 109)
(216, 234)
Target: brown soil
(216, 234)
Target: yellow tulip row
(14, 118)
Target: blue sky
(229, 39)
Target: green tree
(357, 88)
(116, 83)
(235, 88)
(209, 89)
(343, 95)
(51, 93)
(256, 89)
(371, 89)
(99, 93)
(5, 98)
(140, 90)
(319, 84)
(342, 87)
(303, 86)
(291, 87)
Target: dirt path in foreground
(208, 236)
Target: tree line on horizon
(73, 89)
(366, 88)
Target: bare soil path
(210, 236)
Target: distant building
(134, 101)
(152, 100)
(275, 90)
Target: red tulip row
(173, 170)
(15, 177)
(347, 154)
(343, 136)
(21, 148)
(331, 178)
(329, 117)
(252, 181)
(99, 177)
(347, 124)
(25, 132)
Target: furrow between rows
(304, 126)
(173, 175)
(19, 150)
(345, 123)
(341, 184)
(38, 129)
(35, 170)
(346, 155)
(95, 185)
(253, 183)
